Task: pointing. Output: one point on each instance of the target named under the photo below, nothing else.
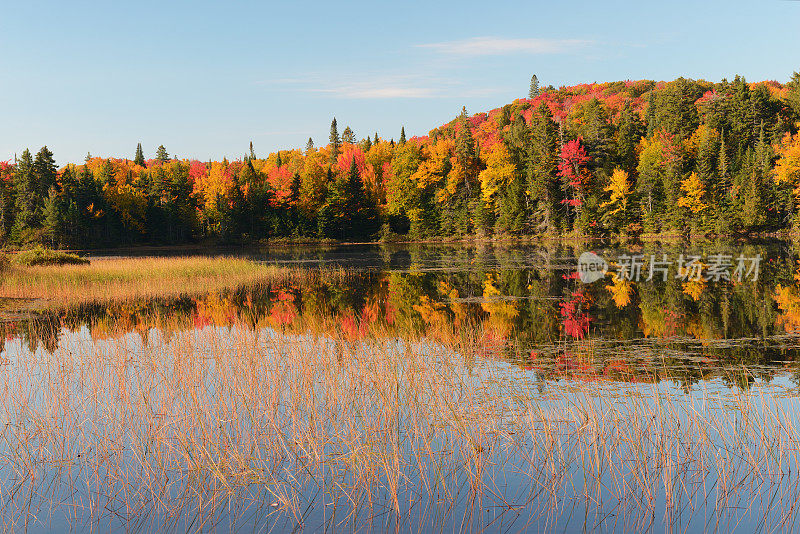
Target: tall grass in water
(131, 278)
(239, 428)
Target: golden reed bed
(230, 426)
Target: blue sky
(205, 78)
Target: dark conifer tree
(138, 159)
(161, 154)
(28, 199)
(44, 167)
(335, 142)
(348, 136)
(630, 131)
(533, 90)
(542, 168)
(793, 97)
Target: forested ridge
(612, 159)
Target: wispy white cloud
(376, 90)
(371, 86)
(495, 46)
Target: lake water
(418, 388)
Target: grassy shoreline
(129, 278)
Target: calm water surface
(702, 371)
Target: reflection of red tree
(391, 312)
(356, 326)
(349, 325)
(576, 321)
(671, 322)
(283, 310)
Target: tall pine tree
(138, 159)
(161, 154)
(335, 143)
(533, 90)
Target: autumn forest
(605, 159)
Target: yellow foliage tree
(619, 189)
(693, 194)
(498, 173)
(787, 168)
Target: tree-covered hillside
(611, 159)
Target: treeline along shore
(621, 159)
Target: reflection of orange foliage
(788, 301)
(215, 309)
(660, 322)
(695, 328)
(694, 288)
(501, 313)
(459, 309)
(283, 310)
(432, 312)
(621, 291)
(617, 368)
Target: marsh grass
(132, 278)
(43, 256)
(231, 426)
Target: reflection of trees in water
(523, 305)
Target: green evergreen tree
(741, 116)
(533, 90)
(161, 154)
(402, 136)
(511, 207)
(675, 111)
(331, 207)
(348, 136)
(363, 216)
(629, 132)
(44, 167)
(28, 199)
(793, 96)
(138, 159)
(6, 201)
(53, 218)
(542, 169)
(754, 212)
(649, 189)
(335, 142)
(650, 116)
(309, 146)
(459, 218)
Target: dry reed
(231, 427)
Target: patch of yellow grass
(130, 278)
